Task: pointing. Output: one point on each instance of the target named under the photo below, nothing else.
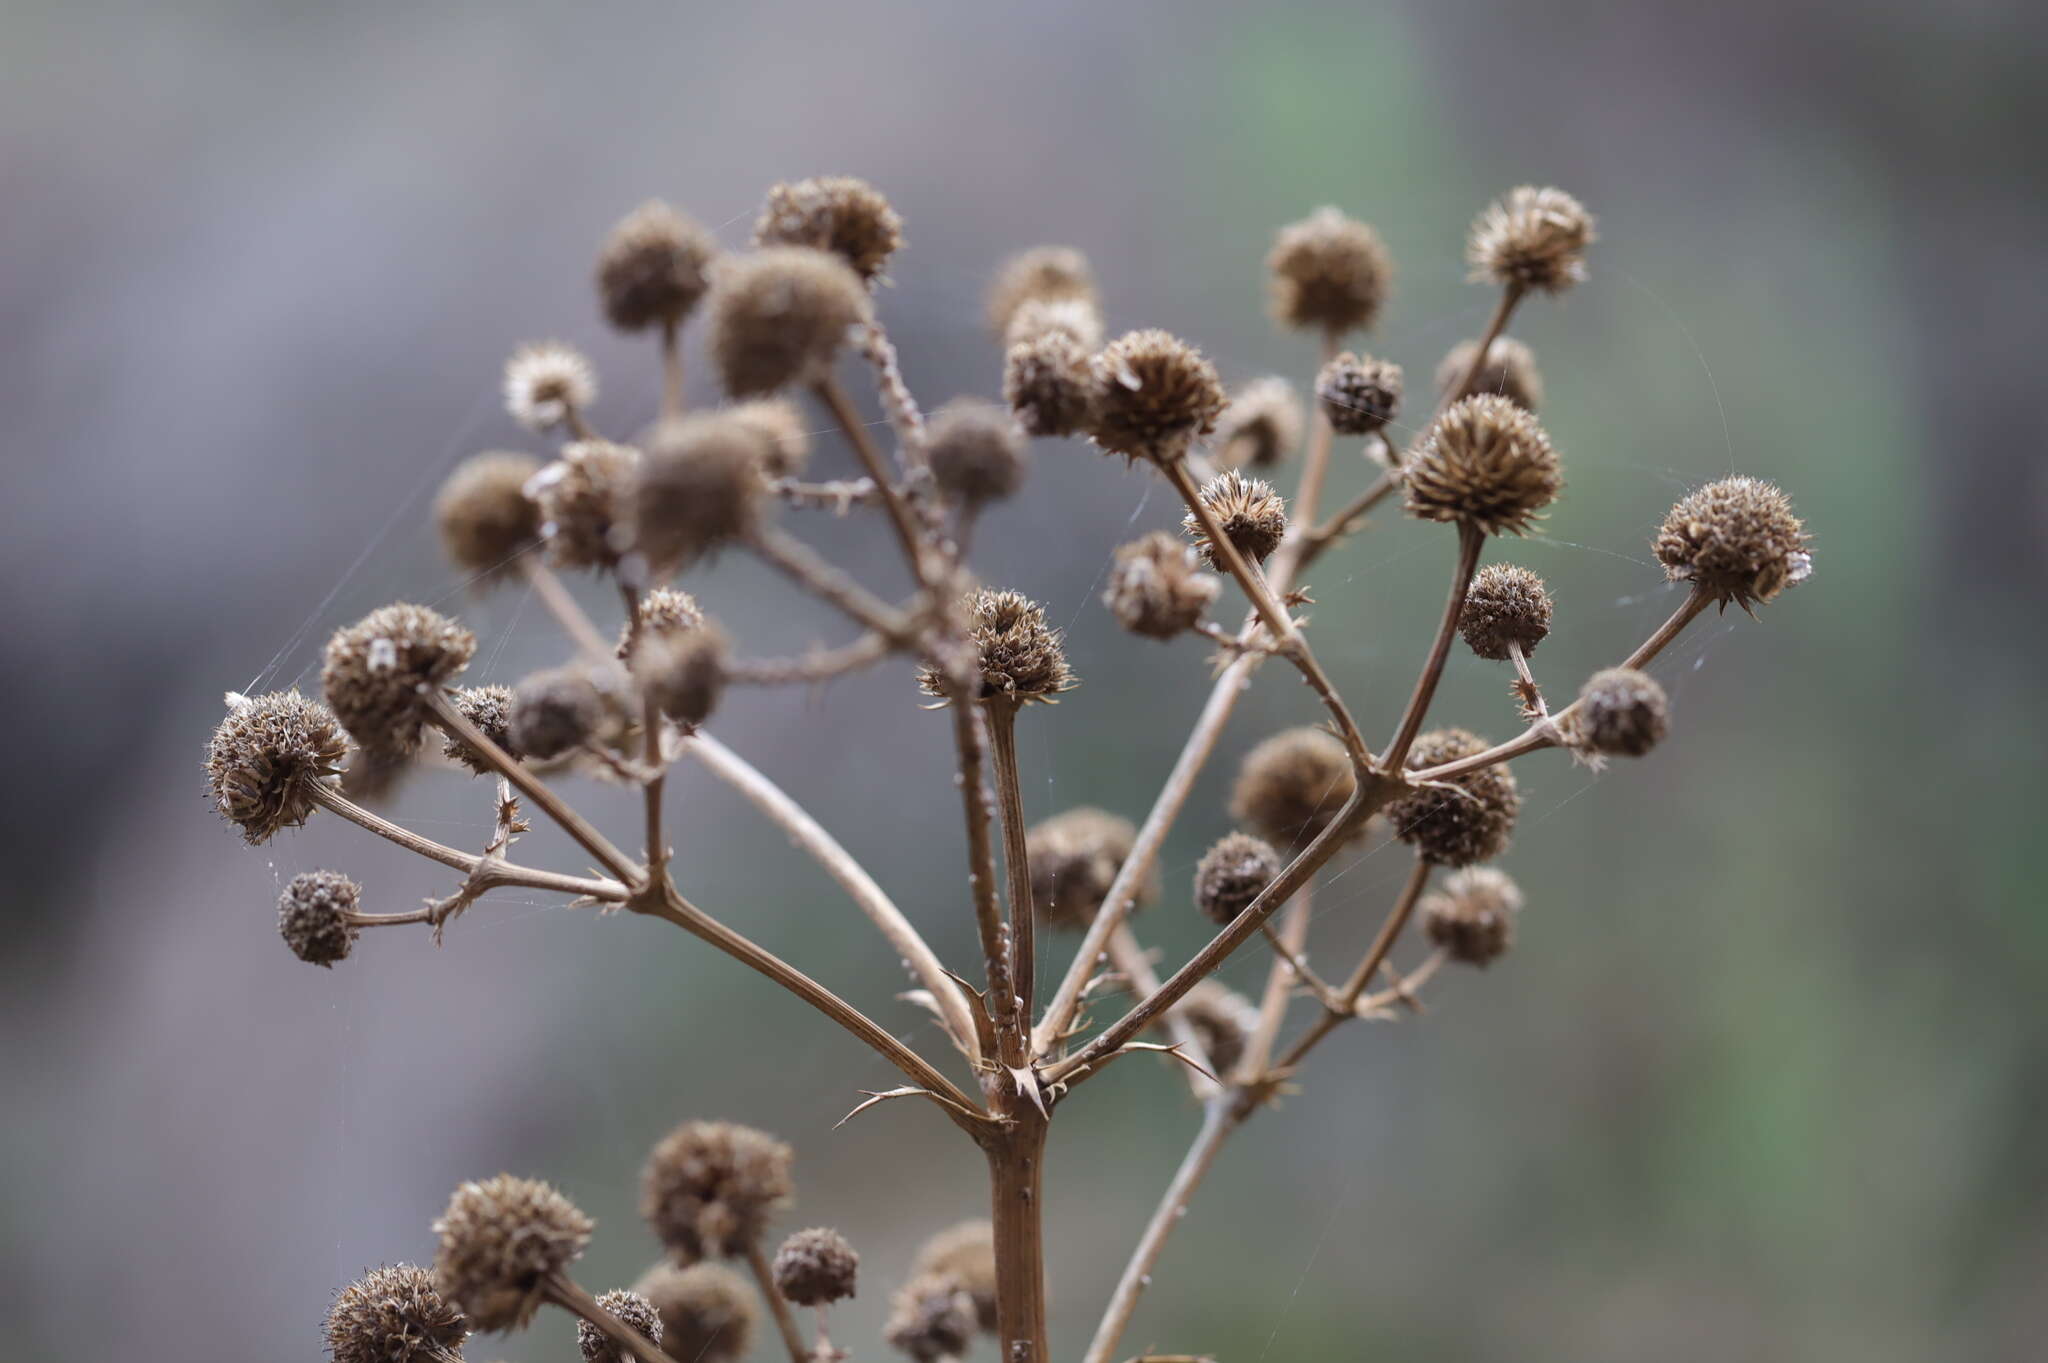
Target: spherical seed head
(966, 1253)
(1232, 873)
(1485, 463)
(815, 1267)
(489, 708)
(786, 441)
(394, 1315)
(312, 916)
(708, 1312)
(375, 669)
(779, 315)
(1157, 394)
(1506, 604)
(1252, 515)
(1051, 382)
(556, 711)
(1621, 713)
(1292, 785)
(633, 1310)
(1473, 917)
(1223, 1018)
(663, 610)
(1079, 318)
(1019, 654)
(699, 487)
(546, 381)
(1041, 274)
(1358, 394)
(653, 268)
(835, 213)
(708, 1188)
(1157, 587)
(1736, 539)
(263, 757)
(1261, 426)
(483, 513)
(583, 499)
(931, 1317)
(1074, 857)
(1330, 273)
(1473, 819)
(1510, 371)
(1531, 238)
(682, 671)
(976, 450)
(499, 1239)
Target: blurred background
(1767, 1073)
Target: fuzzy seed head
(816, 1267)
(265, 755)
(708, 1312)
(1473, 820)
(483, 513)
(394, 1315)
(682, 671)
(1484, 463)
(1531, 238)
(1050, 381)
(1232, 873)
(1621, 713)
(1074, 858)
(1737, 539)
(1505, 605)
(699, 487)
(1261, 426)
(779, 315)
(1292, 786)
(654, 267)
(583, 499)
(976, 449)
(545, 382)
(786, 441)
(1359, 394)
(1252, 516)
(1043, 274)
(633, 1311)
(1330, 273)
(1019, 654)
(556, 711)
(1510, 371)
(1078, 318)
(835, 213)
(312, 916)
(1156, 394)
(1223, 1018)
(1473, 917)
(489, 708)
(967, 1254)
(499, 1239)
(663, 610)
(375, 669)
(708, 1188)
(931, 1318)
(1157, 587)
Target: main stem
(1016, 1174)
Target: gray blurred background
(1764, 1077)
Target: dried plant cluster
(791, 320)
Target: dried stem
(554, 594)
(1288, 944)
(839, 496)
(1346, 520)
(822, 665)
(559, 1289)
(1315, 460)
(970, 742)
(1346, 1006)
(497, 872)
(827, 581)
(833, 395)
(671, 369)
(1129, 958)
(1511, 295)
(1471, 540)
(1002, 725)
(778, 1305)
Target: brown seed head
(1484, 463)
(966, 1253)
(1041, 274)
(1074, 857)
(374, 672)
(1078, 318)
(1020, 656)
(1531, 238)
(708, 1188)
(708, 1312)
(1293, 785)
(931, 1317)
(1232, 873)
(265, 754)
(313, 916)
(699, 487)
(499, 1239)
(1157, 588)
(976, 450)
(545, 382)
(663, 610)
(632, 1310)
(1737, 539)
(654, 267)
(1510, 370)
(556, 711)
(1473, 917)
(1156, 394)
(786, 440)
(484, 515)
(1359, 394)
(816, 1267)
(1330, 273)
(682, 671)
(583, 501)
(1223, 1018)
(1621, 713)
(1470, 821)
(489, 708)
(779, 315)
(1252, 515)
(1505, 605)
(394, 1315)
(835, 213)
(1261, 426)
(1050, 381)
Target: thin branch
(778, 1305)
(820, 666)
(1346, 520)
(827, 581)
(671, 369)
(1130, 960)
(838, 497)
(1002, 725)
(1511, 295)
(1470, 541)
(548, 586)
(1347, 998)
(1288, 944)
(834, 397)
(970, 743)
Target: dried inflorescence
(548, 384)
(708, 1188)
(1465, 819)
(375, 673)
(966, 1253)
(1358, 394)
(1473, 917)
(484, 515)
(1041, 274)
(976, 451)
(654, 267)
(1485, 463)
(1329, 273)
(682, 671)
(1293, 785)
(785, 440)
(314, 916)
(1621, 712)
(1251, 515)
(837, 213)
(1509, 371)
(1736, 540)
(1019, 656)
(816, 1267)
(1261, 426)
(663, 610)
(779, 315)
(1505, 606)
(1531, 238)
(1157, 587)
(1224, 1020)
(394, 1314)
(557, 711)
(1231, 875)
(931, 1318)
(1157, 395)
(264, 758)
(633, 1311)
(502, 1239)
(708, 1312)
(1074, 858)
(489, 708)
(700, 485)
(582, 498)
(1051, 383)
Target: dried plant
(786, 321)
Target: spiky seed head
(1223, 1018)
(557, 711)
(779, 315)
(708, 1312)
(582, 498)
(976, 449)
(1078, 318)
(699, 487)
(835, 213)
(545, 382)
(931, 1318)
(1485, 463)
(633, 1310)
(313, 916)
(653, 267)
(1473, 917)
(682, 671)
(1358, 393)
(499, 1239)
(489, 708)
(1469, 818)
(1019, 655)
(374, 671)
(1293, 785)
(1506, 604)
(965, 1252)
(815, 1267)
(1157, 394)
(1261, 426)
(394, 1315)
(1621, 713)
(786, 441)
(1051, 382)
(1074, 857)
(1157, 587)
(264, 756)
(1232, 873)
(1531, 238)
(1510, 370)
(1039, 275)
(663, 610)
(708, 1188)
(1736, 539)
(483, 513)
(1330, 273)
(1252, 515)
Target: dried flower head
(1074, 857)
(931, 1318)
(1293, 785)
(1473, 917)
(1157, 587)
(632, 1310)
(548, 383)
(663, 610)
(375, 670)
(500, 1239)
(1231, 875)
(264, 757)
(1078, 318)
(1359, 394)
(654, 267)
(965, 1252)
(1484, 463)
(786, 441)
(1330, 273)
(1505, 605)
(1018, 653)
(816, 1267)
(779, 315)
(1041, 274)
(489, 708)
(484, 515)
(835, 213)
(1736, 539)
(708, 1188)
(700, 486)
(1531, 238)
(1050, 381)
(708, 1312)
(394, 1315)
(976, 449)
(1223, 1018)
(557, 711)
(1157, 393)
(1261, 426)
(1510, 371)
(313, 916)
(1250, 513)
(1621, 713)
(582, 498)
(682, 671)
(1465, 819)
